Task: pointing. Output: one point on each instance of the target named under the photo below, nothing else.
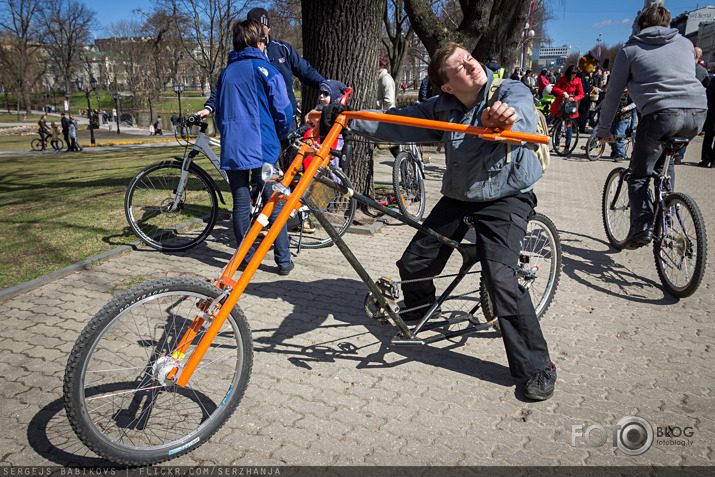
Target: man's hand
(606, 139)
(203, 113)
(309, 122)
(328, 116)
(499, 115)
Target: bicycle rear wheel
(539, 268)
(36, 144)
(115, 394)
(409, 186)
(559, 135)
(594, 148)
(340, 212)
(616, 210)
(152, 192)
(680, 245)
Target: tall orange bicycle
(160, 368)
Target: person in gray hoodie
(657, 67)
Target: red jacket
(542, 82)
(574, 90)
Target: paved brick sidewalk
(328, 389)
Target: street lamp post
(93, 84)
(117, 97)
(178, 89)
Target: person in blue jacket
(284, 57)
(252, 113)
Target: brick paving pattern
(328, 389)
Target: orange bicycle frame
(321, 158)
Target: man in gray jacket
(657, 67)
(484, 181)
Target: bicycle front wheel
(340, 212)
(680, 245)
(615, 208)
(116, 396)
(36, 144)
(560, 134)
(539, 268)
(409, 186)
(148, 205)
(594, 148)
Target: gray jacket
(658, 67)
(476, 169)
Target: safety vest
(499, 73)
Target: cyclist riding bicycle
(567, 88)
(43, 130)
(481, 182)
(657, 67)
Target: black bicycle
(679, 244)
(564, 129)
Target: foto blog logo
(632, 435)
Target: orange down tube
(321, 158)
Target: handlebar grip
(346, 96)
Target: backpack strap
(491, 98)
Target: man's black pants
(500, 228)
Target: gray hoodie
(658, 67)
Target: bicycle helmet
(548, 89)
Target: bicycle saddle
(674, 144)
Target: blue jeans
(618, 148)
(649, 156)
(240, 183)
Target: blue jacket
(253, 111)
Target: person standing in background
(385, 85)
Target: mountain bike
(173, 205)
(161, 367)
(564, 129)
(39, 144)
(408, 180)
(679, 238)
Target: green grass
(58, 209)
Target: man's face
(465, 73)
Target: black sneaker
(639, 239)
(286, 271)
(540, 386)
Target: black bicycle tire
(606, 200)
(556, 131)
(36, 144)
(593, 144)
(294, 237)
(701, 243)
(397, 184)
(97, 433)
(547, 297)
(210, 221)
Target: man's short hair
(246, 33)
(655, 15)
(436, 70)
(260, 15)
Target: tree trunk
(344, 45)
(487, 26)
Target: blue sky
(578, 23)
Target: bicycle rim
(409, 186)
(616, 211)
(36, 145)
(149, 197)
(594, 148)
(339, 211)
(559, 135)
(114, 396)
(680, 246)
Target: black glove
(328, 116)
